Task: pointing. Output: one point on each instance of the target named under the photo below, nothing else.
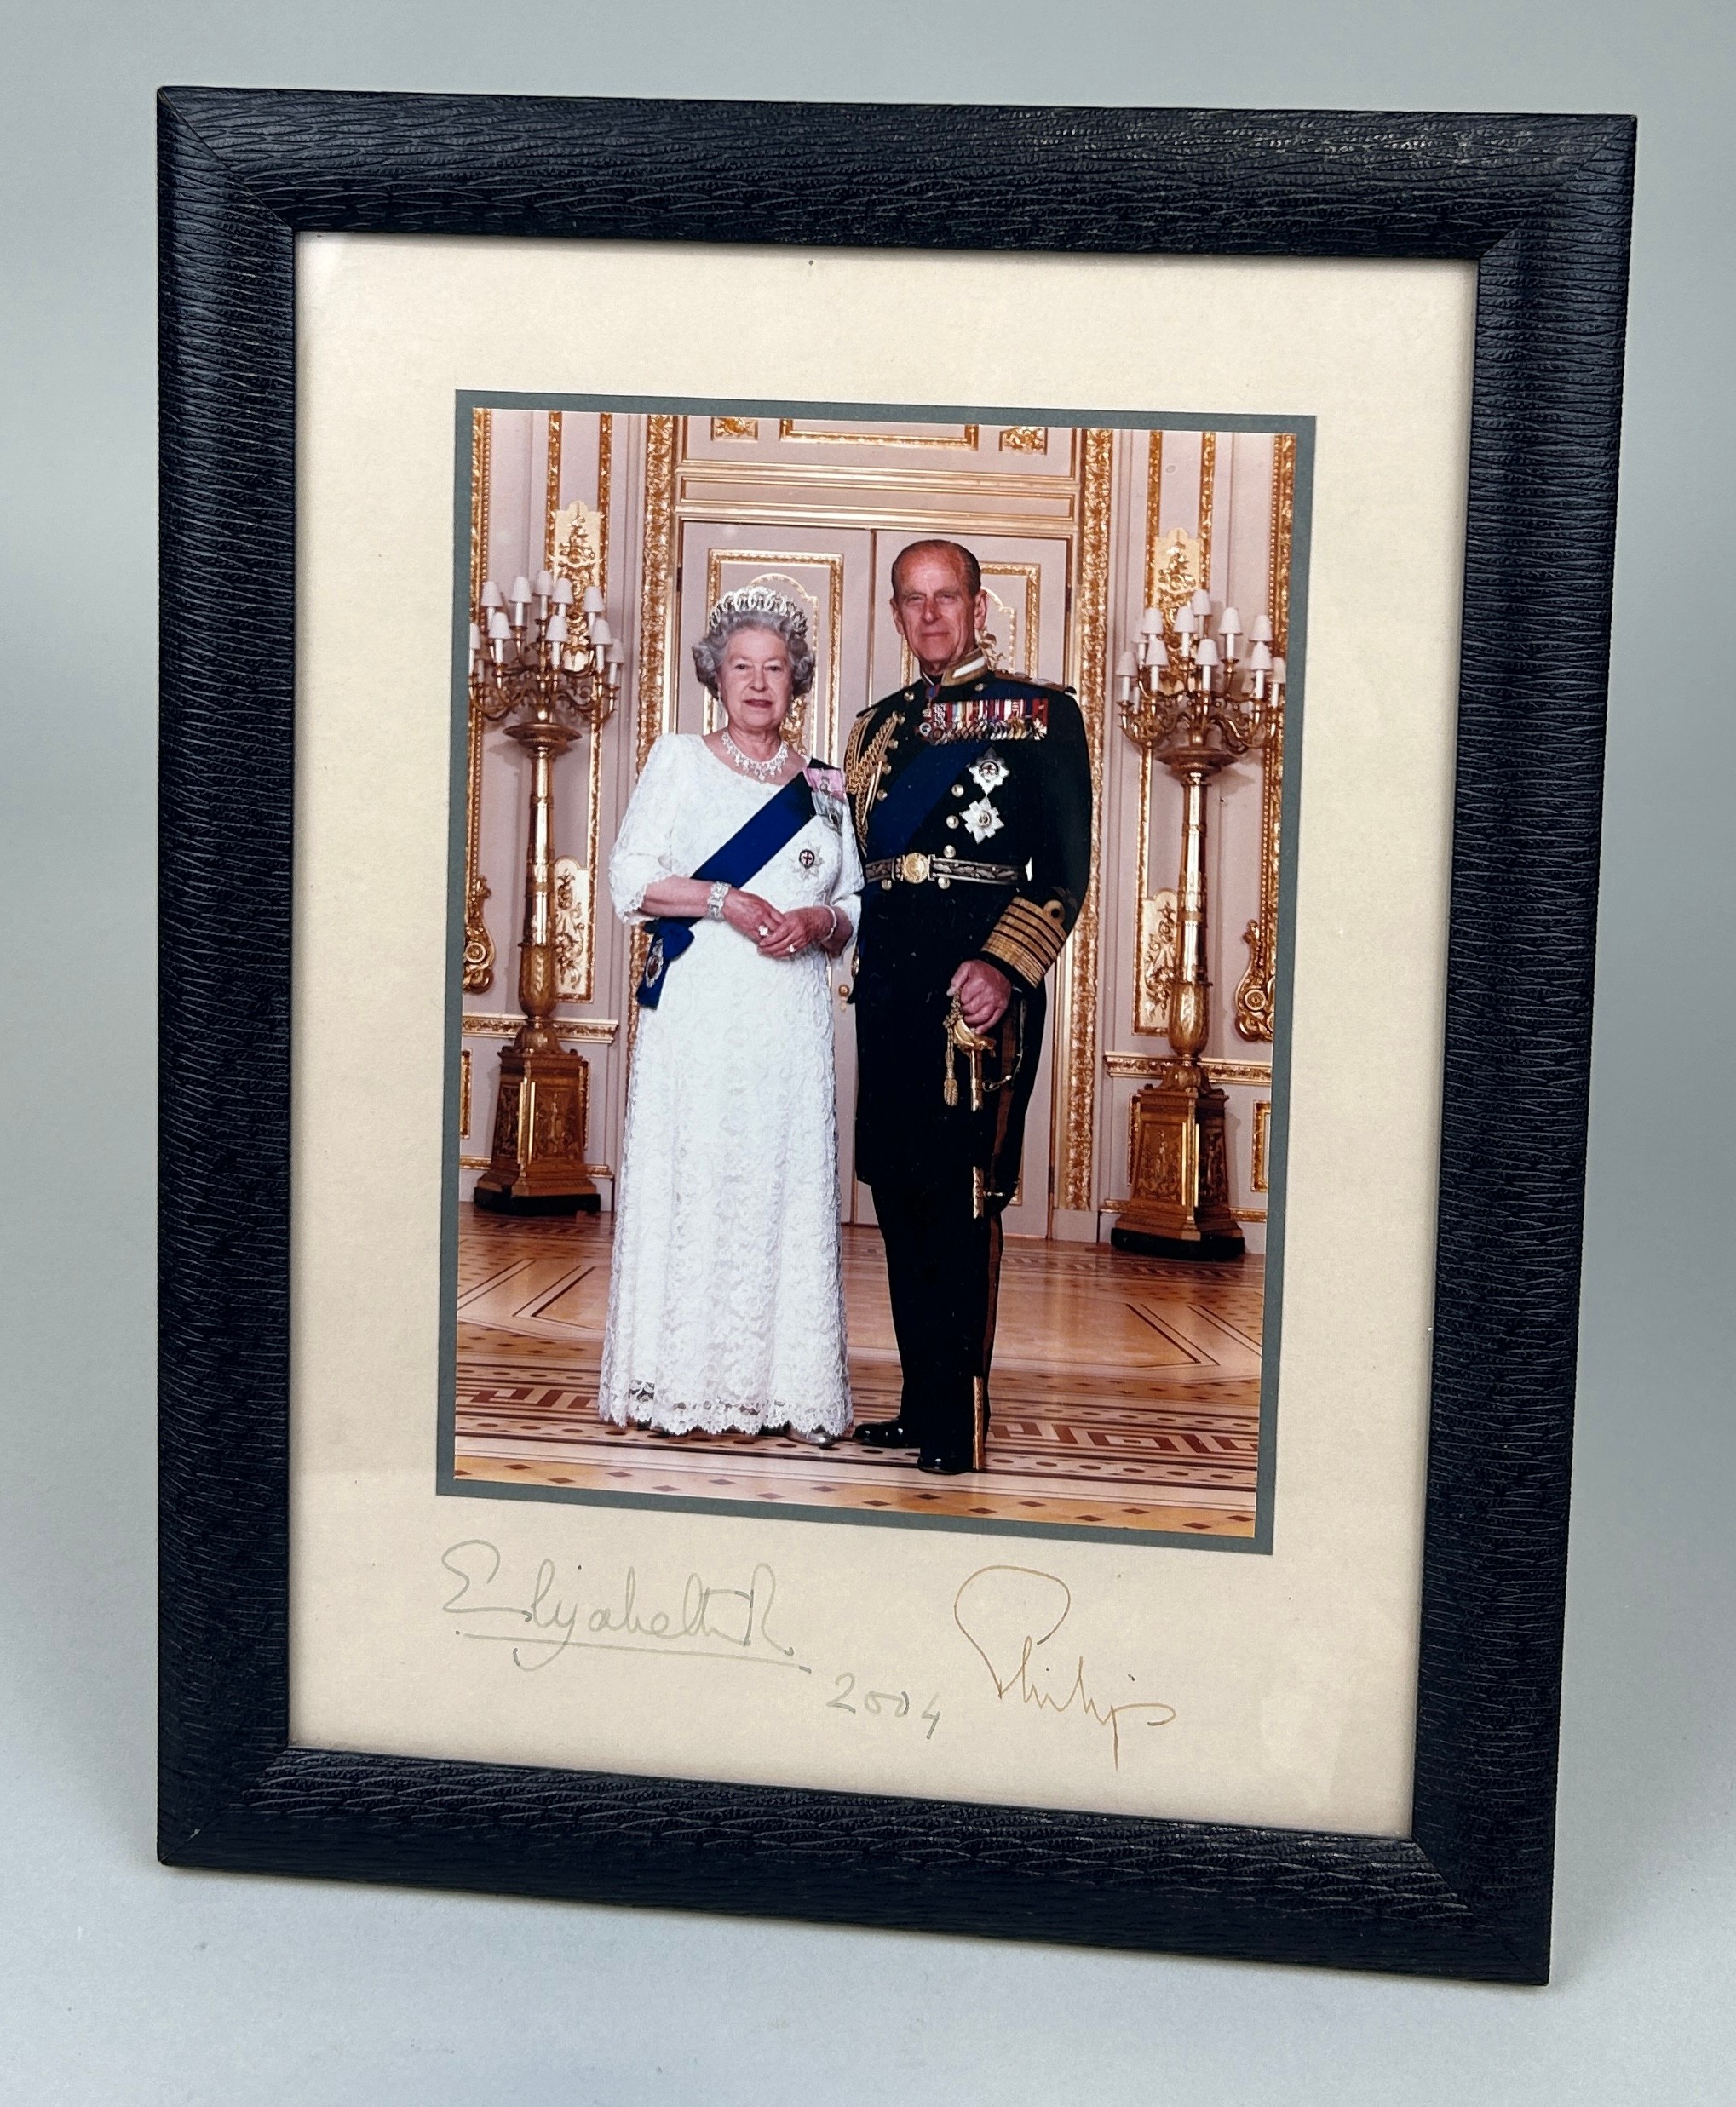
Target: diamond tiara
(758, 600)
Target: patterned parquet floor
(1126, 1391)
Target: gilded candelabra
(1197, 703)
(549, 668)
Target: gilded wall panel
(1159, 923)
(479, 946)
(657, 586)
(1076, 1045)
(832, 431)
(1254, 995)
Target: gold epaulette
(864, 762)
(1028, 937)
(852, 748)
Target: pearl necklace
(761, 771)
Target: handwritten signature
(1008, 1613)
(549, 1617)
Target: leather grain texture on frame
(226, 482)
(1545, 203)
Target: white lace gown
(725, 1297)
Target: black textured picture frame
(1542, 205)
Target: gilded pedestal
(1179, 1206)
(540, 1120)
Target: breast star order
(982, 819)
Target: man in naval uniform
(972, 798)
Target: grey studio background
(123, 1983)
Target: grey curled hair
(755, 609)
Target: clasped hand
(775, 933)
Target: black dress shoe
(944, 1465)
(886, 1434)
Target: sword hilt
(960, 1038)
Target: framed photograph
(1121, 1316)
(878, 874)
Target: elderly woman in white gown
(725, 1297)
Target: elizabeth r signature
(547, 1619)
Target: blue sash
(913, 794)
(748, 850)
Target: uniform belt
(915, 868)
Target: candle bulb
(1187, 622)
(545, 584)
(1158, 655)
(562, 595)
(475, 641)
(1123, 677)
(498, 626)
(491, 594)
(1260, 658)
(520, 594)
(1279, 673)
(1151, 623)
(592, 603)
(600, 633)
(1201, 602)
(1260, 629)
(556, 630)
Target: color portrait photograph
(865, 957)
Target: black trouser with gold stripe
(943, 1266)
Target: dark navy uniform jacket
(1017, 812)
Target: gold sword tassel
(960, 1039)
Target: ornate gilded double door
(840, 575)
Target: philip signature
(1008, 1612)
(713, 1623)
